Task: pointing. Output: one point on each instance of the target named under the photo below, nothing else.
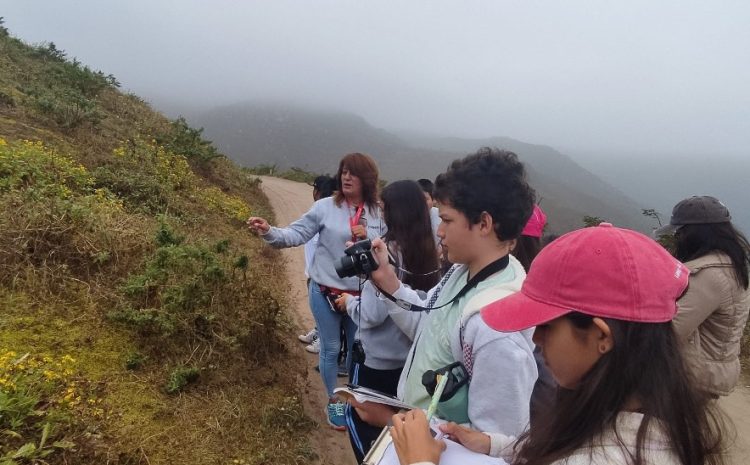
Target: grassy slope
(121, 243)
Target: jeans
(329, 323)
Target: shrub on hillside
(61, 92)
(53, 217)
(199, 292)
(188, 142)
(145, 176)
(149, 178)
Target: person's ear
(604, 340)
(486, 223)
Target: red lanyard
(354, 220)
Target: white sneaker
(309, 337)
(314, 347)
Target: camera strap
(494, 267)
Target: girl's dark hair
(407, 217)
(365, 168)
(645, 364)
(325, 185)
(492, 181)
(696, 240)
(526, 249)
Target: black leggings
(361, 434)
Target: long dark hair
(644, 364)
(407, 217)
(696, 240)
(365, 168)
(526, 249)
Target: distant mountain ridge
(295, 136)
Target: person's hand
(385, 276)
(359, 231)
(467, 437)
(412, 438)
(258, 225)
(373, 413)
(341, 302)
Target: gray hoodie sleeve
(373, 314)
(503, 376)
(298, 232)
(407, 321)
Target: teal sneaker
(336, 419)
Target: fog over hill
(314, 139)
(660, 180)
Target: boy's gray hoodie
(503, 365)
(332, 222)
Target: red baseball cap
(535, 226)
(601, 271)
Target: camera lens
(346, 267)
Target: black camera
(357, 261)
(358, 352)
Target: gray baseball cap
(702, 209)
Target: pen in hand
(442, 381)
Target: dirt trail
(290, 200)
(737, 407)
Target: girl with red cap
(602, 300)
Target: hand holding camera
(385, 276)
(357, 260)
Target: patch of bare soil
(737, 408)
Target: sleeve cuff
(398, 294)
(500, 444)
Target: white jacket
(606, 449)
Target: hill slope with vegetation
(140, 323)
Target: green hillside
(139, 322)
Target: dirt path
(737, 407)
(290, 200)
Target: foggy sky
(627, 76)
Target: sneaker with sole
(314, 347)
(335, 412)
(309, 337)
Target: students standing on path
(712, 314)
(602, 300)
(323, 186)
(484, 203)
(351, 214)
(409, 239)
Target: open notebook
(363, 394)
(384, 453)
